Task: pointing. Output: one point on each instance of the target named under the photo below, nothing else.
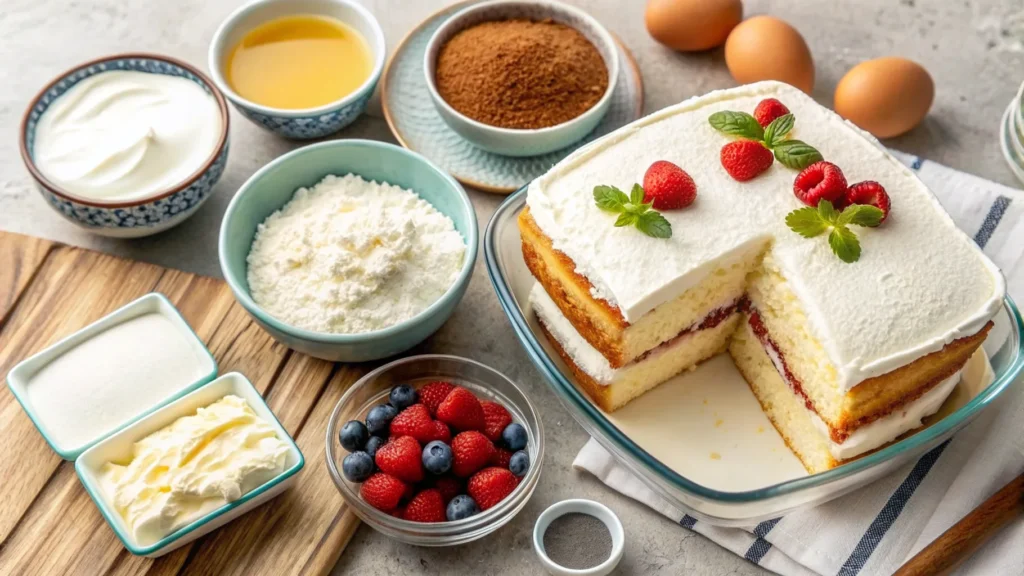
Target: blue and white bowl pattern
(144, 218)
(309, 127)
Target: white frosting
(125, 135)
(919, 284)
(890, 427)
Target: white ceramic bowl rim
(216, 62)
(582, 506)
(471, 238)
(189, 180)
(602, 32)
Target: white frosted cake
(843, 353)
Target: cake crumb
(719, 422)
(716, 456)
(705, 401)
(760, 429)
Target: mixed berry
(435, 454)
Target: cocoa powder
(520, 73)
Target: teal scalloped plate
(418, 126)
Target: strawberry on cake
(755, 221)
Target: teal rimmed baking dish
(512, 282)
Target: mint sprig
(810, 222)
(790, 153)
(632, 210)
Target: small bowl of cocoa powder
(520, 77)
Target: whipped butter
(192, 467)
(919, 284)
(126, 135)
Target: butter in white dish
(193, 466)
(126, 135)
(113, 376)
(349, 256)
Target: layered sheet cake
(845, 349)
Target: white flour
(349, 256)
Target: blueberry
(437, 457)
(357, 466)
(374, 444)
(514, 437)
(402, 396)
(379, 419)
(519, 463)
(460, 507)
(353, 435)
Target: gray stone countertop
(972, 48)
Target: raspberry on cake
(844, 354)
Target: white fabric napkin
(876, 529)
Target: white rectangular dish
(118, 447)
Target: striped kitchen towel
(875, 530)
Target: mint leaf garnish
(796, 154)
(845, 244)
(775, 133)
(862, 215)
(636, 195)
(610, 198)
(806, 222)
(810, 222)
(632, 210)
(654, 224)
(737, 124)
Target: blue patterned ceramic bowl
(134, 218)
(275, 184)
(312, 122)
(518, 142)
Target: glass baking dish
(512, 282)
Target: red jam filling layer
(757, 325)
(716, 317)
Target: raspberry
(668, 186)
(414, 421)
(449, 487)
(461, 410)
(401, 459)
(382, 491)
(871, 193)
(501, 458)
(495, 419)
(434, 393)
(427, 506)
(745, 159)
(769, 109)
(441, 432)
(471, 451)
(490, 486)
(820, 181)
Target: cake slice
(840, 354)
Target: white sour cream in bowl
(125, 135)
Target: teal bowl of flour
(274, 185)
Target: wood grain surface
(49, 525)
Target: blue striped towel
(876, 529)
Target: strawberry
(434, 393)
(871, 193)
(471, 451)
(668, 186)
(401, 459)
(382, 491)
(461, 410)
(427, 506)
(745, 159)
(769, 109)
(820, 181)
(501, 458)
(449, 487)
(441, 432)
(495, 419)
(490, 486)
(414, 421)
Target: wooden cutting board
(49, 525)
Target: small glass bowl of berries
(435, 450)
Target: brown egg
(766, 48)
(885, 96)
(690, 25)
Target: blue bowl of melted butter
(127, 145)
